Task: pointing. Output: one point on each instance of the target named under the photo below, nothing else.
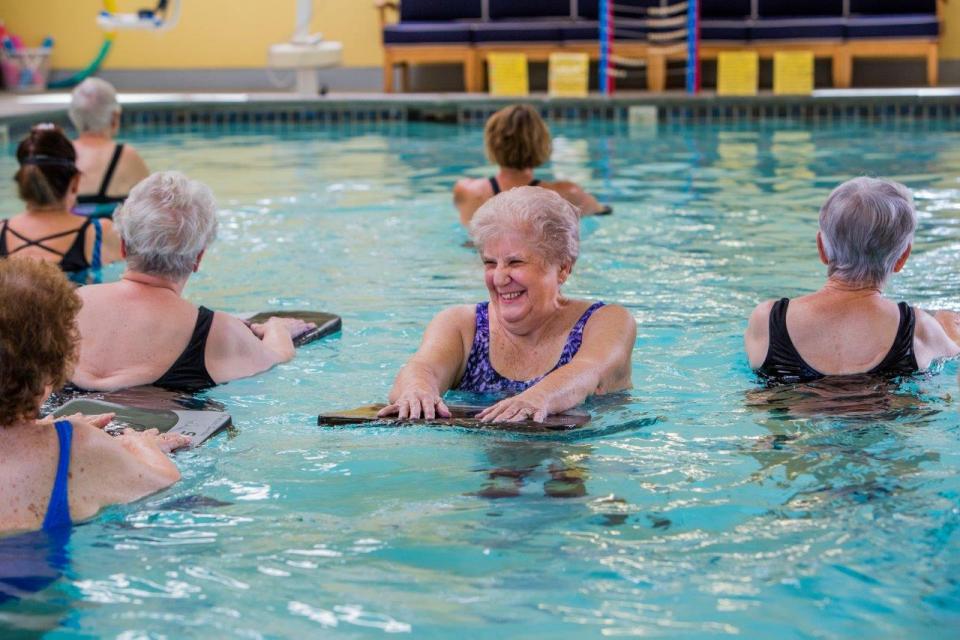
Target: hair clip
(44, 126)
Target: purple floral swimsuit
(481, 377)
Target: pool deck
(18, 111)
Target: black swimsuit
(496, 185)
(784, 363)
(189, 372)
(74, 260)
(100, 204)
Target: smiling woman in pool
(546, 351)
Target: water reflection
(515, 464)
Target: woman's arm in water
(235, 350)
(602, 364)
(433, 369)
(109, 469)
(576, 196)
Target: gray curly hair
(165, 223)
(866, 224)
(553, 224)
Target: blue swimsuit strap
(97, 260)
(58, 511)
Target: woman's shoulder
(605, 315)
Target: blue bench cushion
(898, 26)
(580, 30)
(726, 30)
(509, 9)
(799, 8)
(805, 28)
(427, 33)
(420, 10)
(517, 31)
(724, 9)
(890, 7)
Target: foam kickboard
(199, 425)
(327, 323)
(463, 415)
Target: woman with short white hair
(545, 351)
(848, 326)
(140, 330)
(108, 169)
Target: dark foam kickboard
(462, 416)
(327, 323)
(199, 425)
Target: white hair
(92, 105)
(165, 223)
(866, 226)
(551, 221)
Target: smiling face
(524, 288)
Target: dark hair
(516, 137)
(47, 165)
(38, 334)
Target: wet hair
(551, 222)
(166, 221)
(38, 335)
(516, 137)
(866, 224)
(92, 106)
(47, 165)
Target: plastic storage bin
(26, 70)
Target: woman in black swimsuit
(141, 330)
(518, 141)
(848, 326)
(47, 182)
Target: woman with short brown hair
(55, 473)
(518, 141)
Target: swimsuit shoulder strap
(494, 185)
(39, 242)
(75, 258)
(783, 361)
(3, 239)
(58, 510)
(575, 337)
(189, 372)
(901, 359)
(108, 176)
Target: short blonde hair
(516, 137)
(552, 223)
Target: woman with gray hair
(108, 170)
(140, 330)
(848, 327)
(545, 351)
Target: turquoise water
(696, 506)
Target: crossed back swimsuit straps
(72, 261)
(101, 197)
(496, 185)
(480, 376)
(784, 363)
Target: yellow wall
(234, 33)
(211, 33)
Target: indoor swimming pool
(698, 505)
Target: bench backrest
(725, 9)
(800, 8)
(508, 9)
(876, 7)
(590, 9)
(430, 10)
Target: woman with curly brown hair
(47, 181)
(518, 141)
(55, 473)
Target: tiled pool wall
(362, 114)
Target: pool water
(698, 505)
